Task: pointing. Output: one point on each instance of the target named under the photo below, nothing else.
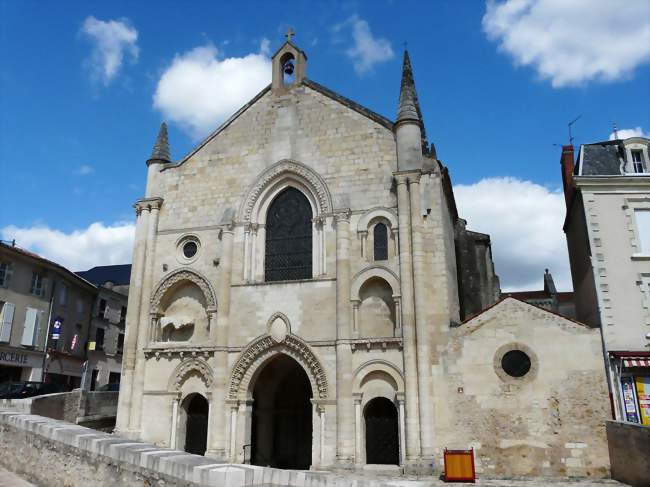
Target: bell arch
(265, 347)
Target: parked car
(113, 387)
(21, 390)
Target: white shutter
(31, 317)
(6, 320)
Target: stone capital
(147, 204)
(343, 216)
(414, 177)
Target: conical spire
(408, 99)
(409, 106)
(160, 150)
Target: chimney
(567, 172)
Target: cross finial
(290, 33)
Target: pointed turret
(409, 129)
(409, 108)
(160, 152)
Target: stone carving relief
(188, 367)
(266, 346)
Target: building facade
(34, 292)
(297, 293)
(107, 326)
(607, 228)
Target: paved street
(8, 479)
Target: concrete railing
(629, 452)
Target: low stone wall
(56, 453)
(77, 406)
(629, 452)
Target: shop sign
(18, 358)
(56, 329)
(643, 394)
(629, 399)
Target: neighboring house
(562, 303)
(107, 328)
(299, 285)
(607, 228)
(34, 292)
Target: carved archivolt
(264, 347)
(186, 368)
(278, 171)
(176, 277)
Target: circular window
(190, 249)
(515, 363)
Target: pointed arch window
(380, 238)
(288, 254)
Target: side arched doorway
(382, 438)
(281, 433)
(196, 409)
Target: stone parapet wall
(629, 452)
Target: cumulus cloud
(525, 222)
(627, 133)
(367, 50)
(572, 42)
(85, 169)
(111, 40)
(201, 88)
(82, 249)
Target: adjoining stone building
(297, 293)
(607, 228)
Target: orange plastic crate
(459, 466)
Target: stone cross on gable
(290, 33)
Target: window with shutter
(63, 294)
(31, 326)
(37, 284)
(6, 321)
(4, 267)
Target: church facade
(300, 295)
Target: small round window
(190, 249)
(515, 363)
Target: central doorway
(382, 440)
(281, 433)
(196, 428)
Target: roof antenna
(570, 124)
(615, 131)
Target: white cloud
(367, 50)
(572, 42)
(111, 39)
(525, 222)
(201, 89)
(84, 170)
(627, 133)
(78, 250)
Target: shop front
(19, 364)
(64, 369)
(633, 374)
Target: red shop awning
(636, 362)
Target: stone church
(305, 295)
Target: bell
(288, 68)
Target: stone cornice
(613, 183)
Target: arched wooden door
(196, 432)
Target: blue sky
(85, 85)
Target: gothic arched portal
(281, 433)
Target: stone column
(172, 438)
(218, 447)
(344, 405)
(398, 315)
(147, 286)
(408, 320)
(233, 406)
(132, 317)
(355, 317)
(358, 453)
(402, 427)
(422, 331)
